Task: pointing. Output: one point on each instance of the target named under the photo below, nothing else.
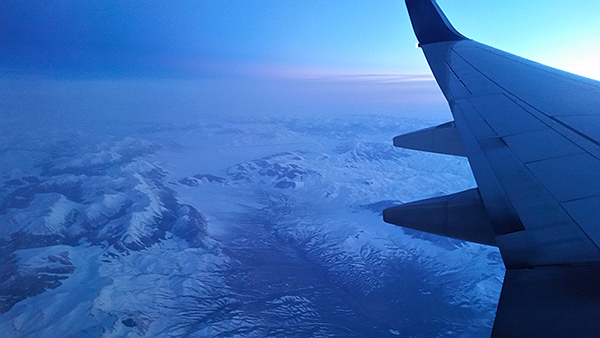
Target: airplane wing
(531, 134)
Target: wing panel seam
(534, 108)
(525, 167)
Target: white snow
(48, 214)
(172, 289)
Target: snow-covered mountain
(234, 228)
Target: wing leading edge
(531, 134)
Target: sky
(263, 56)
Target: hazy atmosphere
(187, 58)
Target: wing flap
(547, 301)
(461, 216)
(442, 139)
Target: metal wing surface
(531, 134)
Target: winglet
(429, 22)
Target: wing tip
(430, 23)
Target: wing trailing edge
(442, 139)
(461, 216)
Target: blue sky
(207, 38)
(298, 56)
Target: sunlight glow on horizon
(584, 61)
(559, 34)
